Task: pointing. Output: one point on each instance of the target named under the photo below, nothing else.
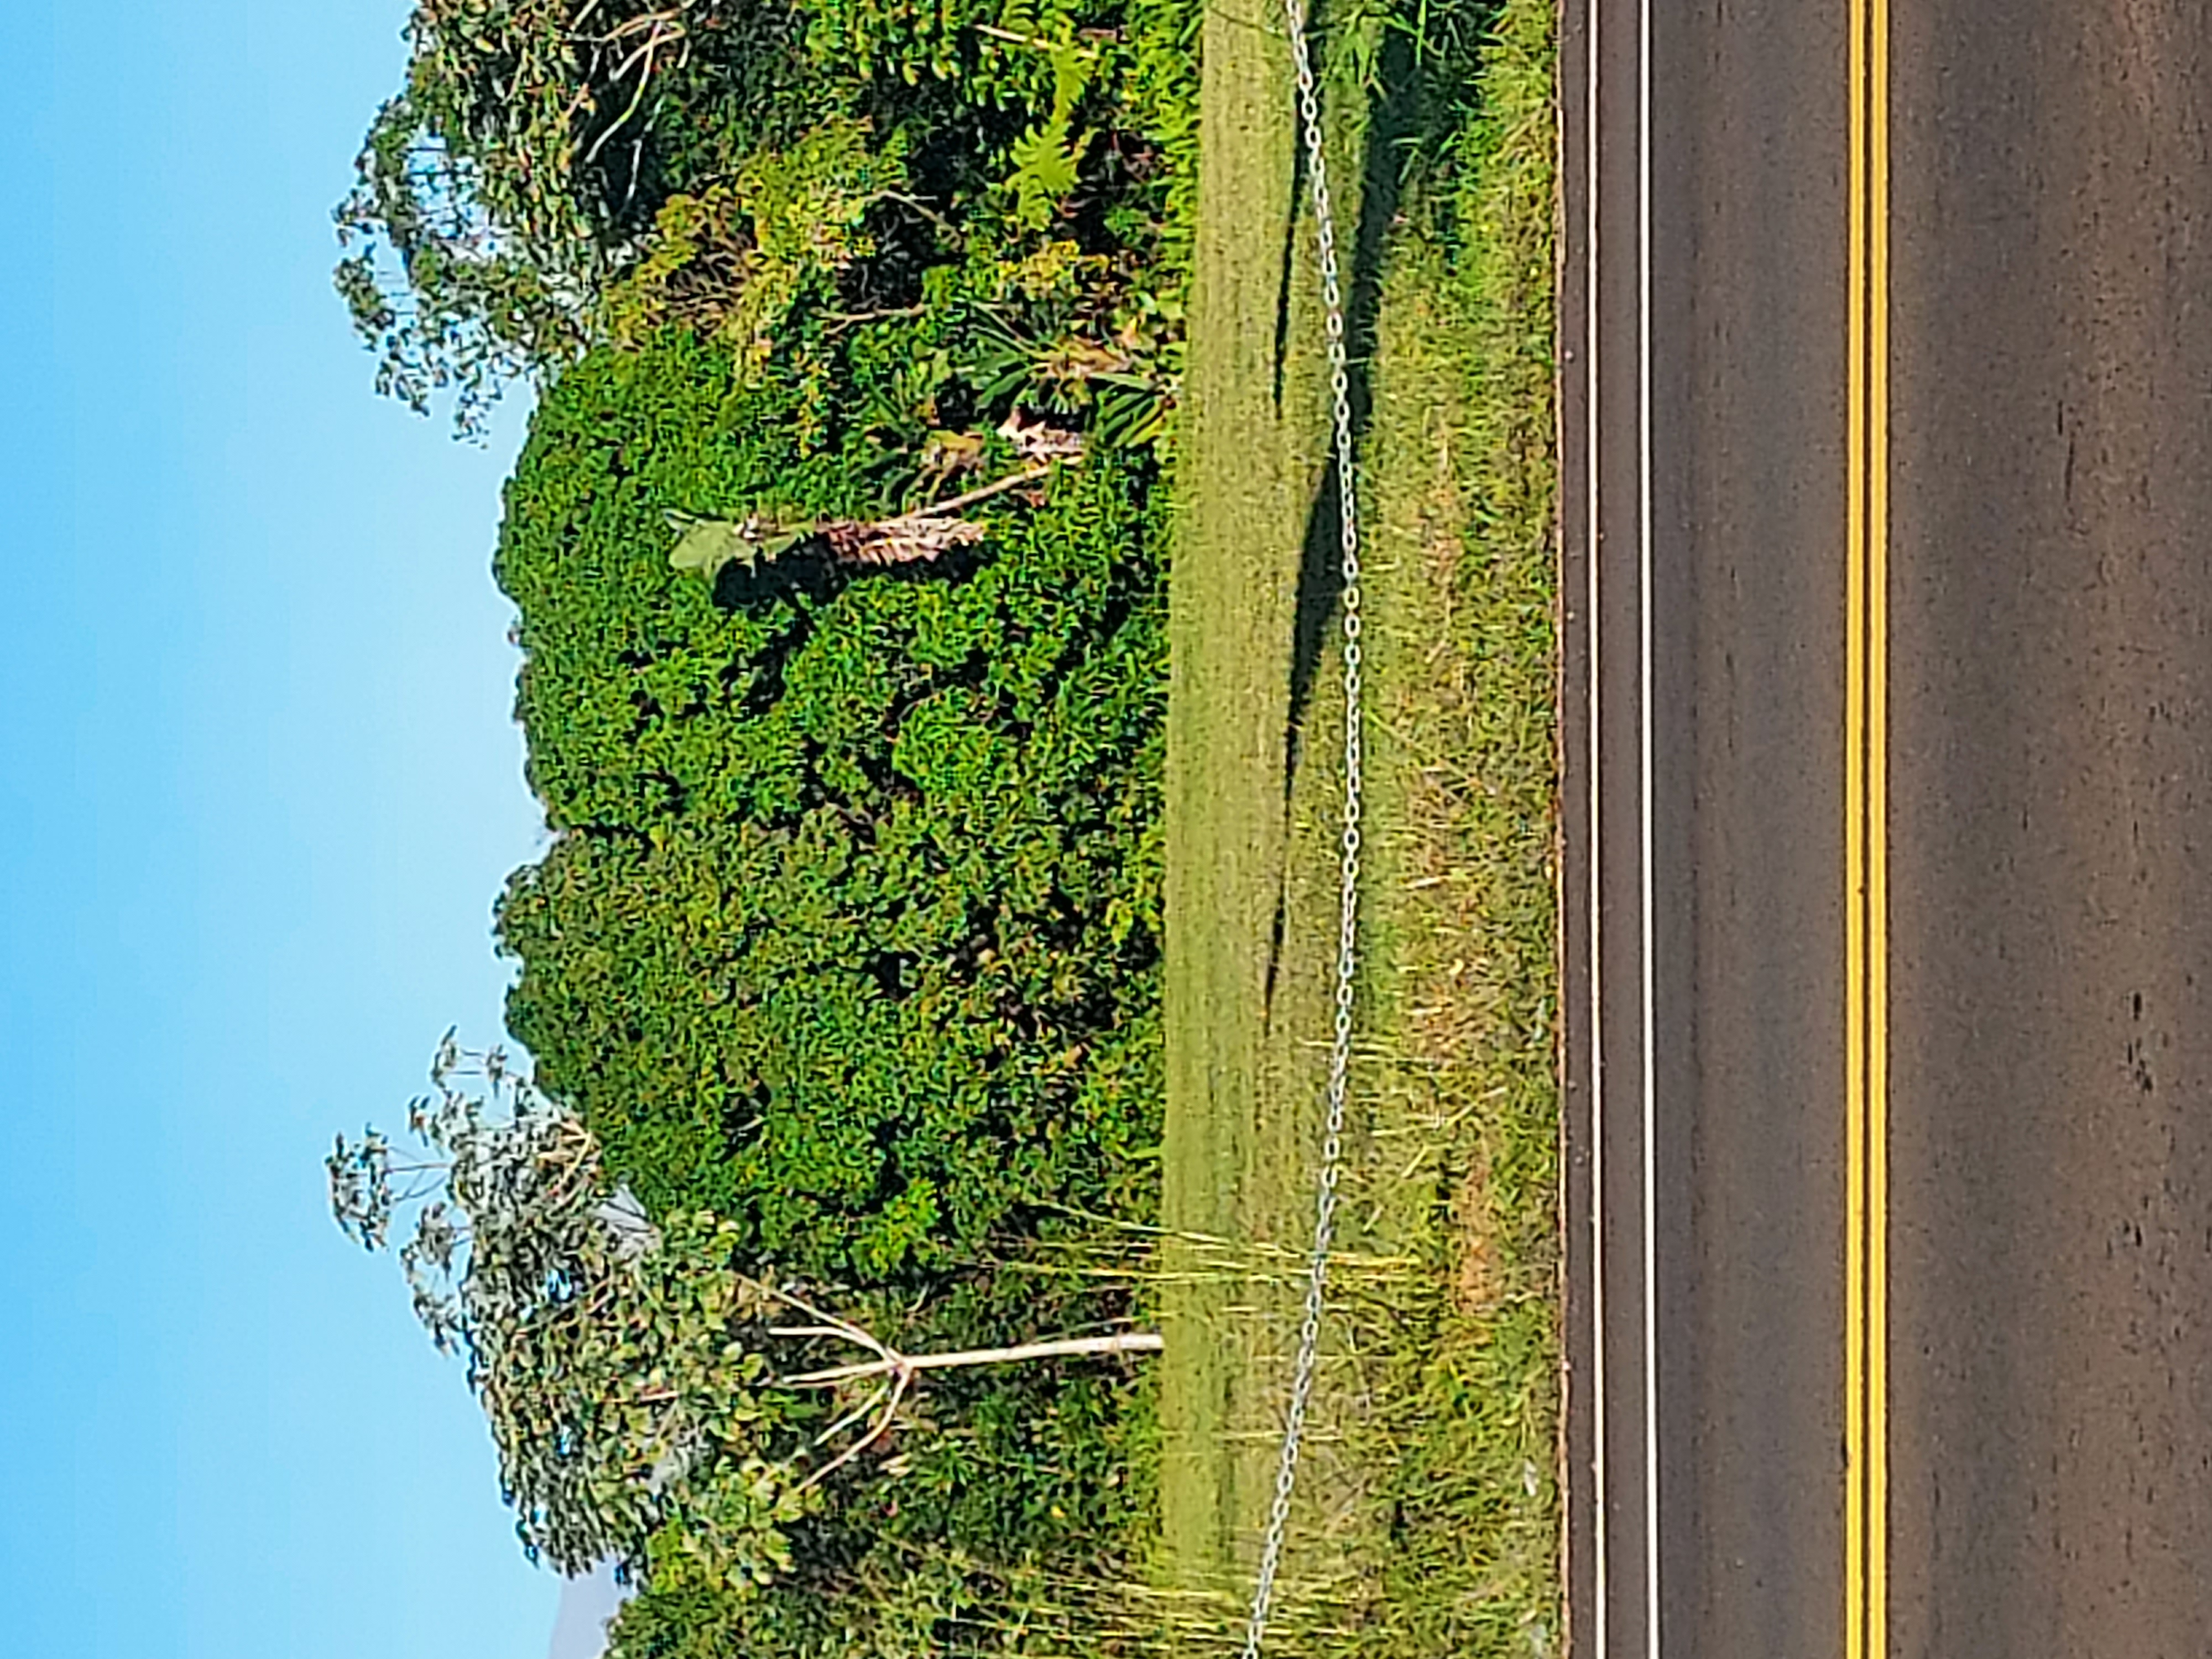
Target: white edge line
(1651, 1087)
(1590, 334)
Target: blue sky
(261, 790)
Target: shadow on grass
(1421, 74)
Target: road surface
(1887, 371)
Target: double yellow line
(1866, 856)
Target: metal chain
(1339, 1062)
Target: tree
(623, 1364)
(498, 189)
(849, 929)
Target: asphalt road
(2019, 947)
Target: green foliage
(1159, 88)
(849, 929)
(658, 1400)
(990, 1523)
(467, 310)
(612, 1356)
(1046, 156)
(706, 545)
(497, 191)
(961, 43)
(555, 173)
(781, 230)
(845, 950)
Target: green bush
(543, 175)
(849, 929)
(1006, 1501)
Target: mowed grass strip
(1427, 1520)
(1254, 424)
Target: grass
(1250, 465)
(1428, 1519)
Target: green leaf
(709, 544)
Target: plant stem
(1011, 481)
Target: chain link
(1339, 1060)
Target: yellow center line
(1865, 782)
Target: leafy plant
(555, 173)
(732, 261)
(1047, 156)
(1122, 371)
(708, 546)
(497, 191)
(608, 1352)
(848, 931)
(630, 1370)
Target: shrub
(550, 167)
(531, 141)
(1006, 1507)
(849, 930)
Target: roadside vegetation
(872, 488)
(837, 548)
(1427, 1514)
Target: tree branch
(998, 487)
(1065, 1347)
